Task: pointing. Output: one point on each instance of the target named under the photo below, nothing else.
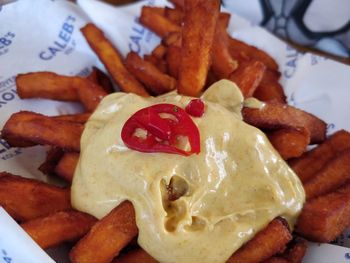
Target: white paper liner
(15, 245)
(313, 83)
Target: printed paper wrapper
(44, 36)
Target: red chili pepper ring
(164, 124)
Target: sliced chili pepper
(162, 132)
(195, 108)
(153, 123)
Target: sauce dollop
(199, 208)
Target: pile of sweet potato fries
(195, 51)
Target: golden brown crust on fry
(269, 241)
(98, 77)
(157, 22)
(135, 256)
(58, 227)
(173, 58)
(224, 19)
(91, 97)
(66, 166)
(45, 85)
(160, 64)
(248, 77)
(222, 62)
(277, 115)
(175, 15)
(112, 60)
(324, 218)
(26, 199)
(107, 237)
(332, 176)
(311, 162)
(173, 38)
(40, 129)
(245, 51)
(52, 158)
(159, 51)
(49, 85)
(197, 44)
(290, 142)
(269, 88)
(79, 117)
(295, 252)
(149, 75)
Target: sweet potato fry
(160, 64)
(40, 129)
(26, 199)
(324, 218)
(277, 115)
(248, 77)
(112, 60)
(175, 15)
(91, 97)
(270, 89)
(79, 117)
(225, 19)
(49, 85)
(311, 162)
(149, 75)
(332, 176)
(107, 237)
(222, 62)
(290, 142)
(269, 241)
(211, 79)
(178, 3)
(151, 59)
(294, 253)
(58, 227)
(159, 51)
(173, 58)
(173, 38)
(52, 158)
(197, 44)
(135, 256)
(245, 50)
(157, 22)
(100, 78)
(66, 166)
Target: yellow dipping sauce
(226, 194)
